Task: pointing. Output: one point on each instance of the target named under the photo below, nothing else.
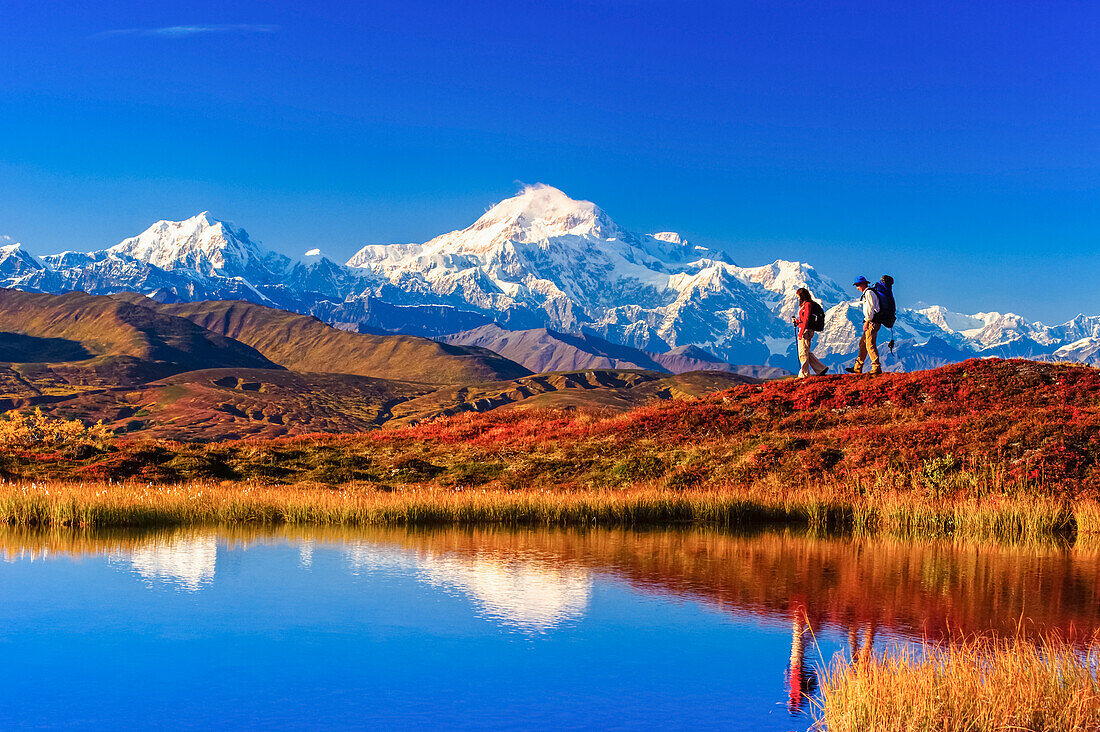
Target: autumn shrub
(978, 429)
(473, 473)
(637, 468)
(36, 430)
(935, 474)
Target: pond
(296, 628)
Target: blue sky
(953, 144)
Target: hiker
(868, 342)
(810, 320)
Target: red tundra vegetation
(982, 433)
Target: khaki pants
(807, 358)
(868, 345)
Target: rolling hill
(83, 341)
(230, 369)
(303, 343)
(226, 404)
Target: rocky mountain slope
(539, 260)
(541, 349)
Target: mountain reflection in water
(185, 560)
(517, 592)
(537, 578)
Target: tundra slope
(975, 433)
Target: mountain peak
(15, 261)
(541, 212)
(204, 244)
(669, 236)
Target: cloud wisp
(188, 31)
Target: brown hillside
(542, 350)
(304, 343)
(89, 340)
(605, 389)
(226, 404)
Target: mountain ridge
(536, 260)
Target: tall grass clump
(983, 684)
(1086, 516)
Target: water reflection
(918, 589)
(516, 592)
(558, 586)
(801, 674)
(519, 594)
(186, 560)
(537, 579)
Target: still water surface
(469, 628)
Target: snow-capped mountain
(205, 245)
(1085, 350)
(542, 259)
(15, 263)
(539, 260)
(200, 258)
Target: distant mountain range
(542, 350)
(571, 283)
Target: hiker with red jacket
(810, 320)
(868, 342)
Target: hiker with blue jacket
(878, 310)
(810, 320)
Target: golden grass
(767, 502)
(979, 685)
(128, 504)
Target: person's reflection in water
(801, 677)
(861, 654)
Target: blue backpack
(887, 310)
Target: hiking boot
(853, 370)
(823, 371)
(876, 372)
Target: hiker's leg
(872, 348)
(862, 357)
(815, 363)
(804, 357)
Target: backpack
(817, 317)
(887, 310)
